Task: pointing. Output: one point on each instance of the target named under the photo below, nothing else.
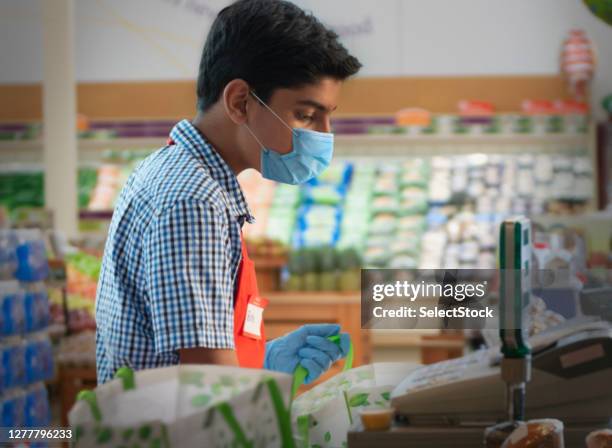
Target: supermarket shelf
(88, 144)
(346, 144)
(402, 145)
(122, 143)
(29, 151)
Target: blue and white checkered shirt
(171, 259)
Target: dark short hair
(269, 44)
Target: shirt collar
(186, 135)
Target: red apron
(250, 350)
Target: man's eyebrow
(317, 105)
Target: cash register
(450, 403)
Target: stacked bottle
(26, 355)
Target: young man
(176, 284)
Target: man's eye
(305, 118)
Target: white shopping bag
(186, 405)
(322, 416)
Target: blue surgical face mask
(311, 154)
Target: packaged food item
(12, 353)
(37, 411)
(386, 185)
(600, 439)
(495, 436)
(335, 173)
(536, 434)
(403, 261)
(411, 223)
(376, 256)
(383, 223)
(407, 243)
(32, 265)
(38, 358)
(11, 309)
(385, 204)
(413, 206)
(439, 189)
(413, 178)
(324, 194)
(376, 419)
(12, 407)
(36, 309)
(8, 254)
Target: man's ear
(235, 99)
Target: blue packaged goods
(38, 359)
(32, 263)
(13, 409)
(8, 254)
(37, 412)
(11, 309)
(36, 310)
(13, 363)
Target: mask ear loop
(263, 148)
(273, 113)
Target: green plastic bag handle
(301, 373)
(127, 377)
(89, 397)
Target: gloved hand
(308, 346)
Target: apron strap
(243, 248)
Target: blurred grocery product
(83, 270)
(578, 63)
(26, 354)
(78, 350)
(599, 439)
(536, 434)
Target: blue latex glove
(308, 346)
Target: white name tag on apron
(254, 317)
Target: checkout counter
(566, 375)
(452, 402)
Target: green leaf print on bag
(227, 381)
(359, 400)
(78, 433)
(192, 378)
(327, 436)
(127, 434)
(365, 375)
(200, 400)
(155, 443)
(217, 389)
(144, 432)
(386, 395)
(103, 435)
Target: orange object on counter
(376, 419)
(535, 434)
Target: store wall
(134, 40)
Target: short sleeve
(188, 278)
